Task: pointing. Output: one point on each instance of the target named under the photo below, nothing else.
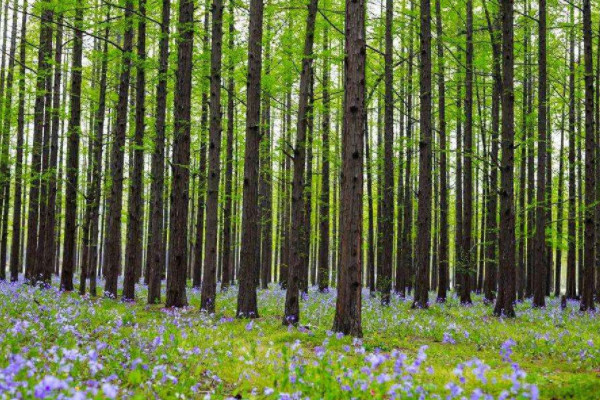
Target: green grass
(103, 348)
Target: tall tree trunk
(209, 286)
(423, 248)
(506, 288)
(539, 259)
(465, 287)
(156, 247)
(491, 267)
(587, 298)
(112, 259)
(89, 264)
(15, 246)
(265, 188)
(323, 273)
(298, 221)
(444, 256)
(228, 264)
(135, 209)
(404, 271)
(6, 125)
(387, 213)
(33, 271)
(571, 292)
(177, 268)
(249, 268)
(348, 303)
(199, 247)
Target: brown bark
(298, 220)
(506, 288)
(423, 247)
(209, 284)
(539, 259)
(135, 208)
(177, 263)
(15, 249)
(348, 303)
(249, 263)
(587, 293)
(444, 255)
(228, 263)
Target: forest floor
(57, 345)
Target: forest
(300, 199)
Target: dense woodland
(408, 147)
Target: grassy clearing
(58, 345)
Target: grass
(60, 345)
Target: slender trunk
(539, 259)
(298, 221)
(323, 273)
(587, 297)
(135, 209)
(249, 268)
(177, 268)
(506, 289)
(209, 286)
(227, 211)
(444, 241)
(348, 303)
(15, 249)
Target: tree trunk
(587, 298)
(539, 259)
(228, 264)
(323, 273)
(444, 256)
(177, 268)
(135, 218)
(348, 303)
(571, 292)
(15, 249)
(112, 259)
(298, 221)
(33, 271)
(467, 260)
(506, 288)
(209, 286)
(249, 268)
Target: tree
(297, 253)
(465, 288)
(209, 286)
(587, 298)
(506, 247)
(177, 263)
(348, 303)
(15, 249)
(323, 273)
(539, 295)
(135, 209)
(423, 249)
(112, 261)
(249, 267)
(387, 217)
(444, 242)
(227, 211)
(66, 281)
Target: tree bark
(348, 303)
(587, 293)
(249, 267)
(506, 288)
(135, 209)
(209, 286)
(177, 268)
